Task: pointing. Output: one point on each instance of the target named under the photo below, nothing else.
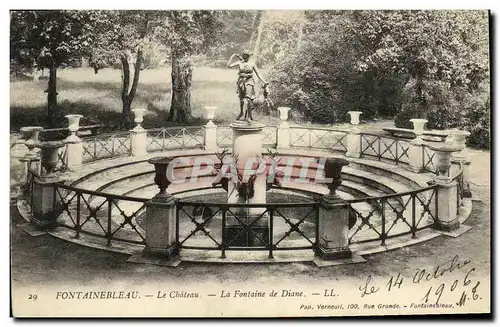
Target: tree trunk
(255, 25)
(34, 71)
(128, 92)
(180, 108)
(260, 29)
(300, 35)
(52, 96)
(125, 84)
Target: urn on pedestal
(161, 179)
(73, 126)
(443, 158)
(50, 156)
(283, 111)
(210, 114)
(355, 117)
(418, 128)
(333, 173)
(31, 136)
(138, 118)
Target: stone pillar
(466, 179)
(446, 197)
(461, 158)
(27, 163)
(45, 203)
(333, 242)
(416, 156)
(74, 147)
(283, 131)
(138, 135)
(354, 136)
(161, 220)
(45, 200)
(210, 129)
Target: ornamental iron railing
(175, 138)
(106, 146)
(242, 227)
(381, 218)
(260, 227)
(318, 138)
(428, 160)
(385, 147)
(104, 216)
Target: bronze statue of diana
(246, 83)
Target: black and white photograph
(250, 163)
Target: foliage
(236, 33)
(282, 34)
(321, 78)
(186, 33)
(427, 64)
(48, 38)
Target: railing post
(45, 202)
(416, 156)
(446, 189)
(333, 239)
(283, 130)
(74, 148)
(28, 163)
(210, 141)
(416, 153)
(461, 158)
(138, 135)
(161, 220)
(354, 136)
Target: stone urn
(50, 155)
(459, 138)
(443, 155)
(161, 178)
(355, 117)
(138, 118)
(333, 173)
(73, 126)
(210, 114)
(31, 134)
(283, 111)
(418, 128)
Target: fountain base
(246, 236)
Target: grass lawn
(98, 96)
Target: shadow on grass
(96, 111)
(92, 114)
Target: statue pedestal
(250, 227)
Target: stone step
(384, 184)
(102, 180)
(396, 172)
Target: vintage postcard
(250, 163)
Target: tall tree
(260, 20)
(186, 33)
(444, 53)
(48, 39)
(119, 36)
